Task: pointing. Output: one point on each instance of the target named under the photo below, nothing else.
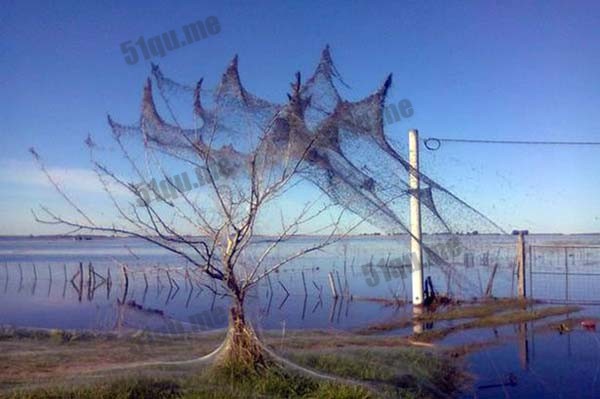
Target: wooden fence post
(566, 274)
(530, 271)
(521, 255)
(334, 292)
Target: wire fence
(565, 273)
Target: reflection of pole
(523, 345)
(417, 324)
(569, 353)
(415, 218)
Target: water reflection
(539, 361)
(417, 323)
(523, 340)
(177, 291)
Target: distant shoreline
(90, 237)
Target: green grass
(406, 374)
(39, 365)
(220, 383)
(8, 333)
(275, 382)
(394, 372)
(495, 320)
(70, 364)
(455, 311)
(481, 309)
(119, 389)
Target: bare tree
(249, 152)
(240, 182)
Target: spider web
(349, 157)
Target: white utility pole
(415, 218)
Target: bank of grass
(117, 389)
(453, 311)
(394, 372)
(53, 364)
(479, 309)
(9, 333)
(42, 357)
(495, 320)
(318, 339)
(271, 384)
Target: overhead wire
(434, 143)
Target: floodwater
(41, 286)
(525, 362)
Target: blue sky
(498, 70)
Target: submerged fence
(565, 273)
(474, 266)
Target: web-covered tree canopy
(342, 145)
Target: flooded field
(63, 284)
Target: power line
(434, 143)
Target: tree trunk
(243, 347)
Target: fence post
(521, 255)
(415, 218)
(530, 271)
(332, 286)
(566, 274)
